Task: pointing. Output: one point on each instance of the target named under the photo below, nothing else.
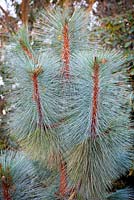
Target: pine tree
(70, 108)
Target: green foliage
(117, 31)
(2, 144)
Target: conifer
(70, 107)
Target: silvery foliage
(24, 119)
(121, 194)
(105, 158)
(94, 162)
(48, 31)
(25, 183)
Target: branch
(95, 98)
(24, 11)
(66, 51)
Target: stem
(24, 11)
(66, 74)
(36, 97)
(5, 189)
(95, 98)
(26, 50)
(66, 51)
(63, 179)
